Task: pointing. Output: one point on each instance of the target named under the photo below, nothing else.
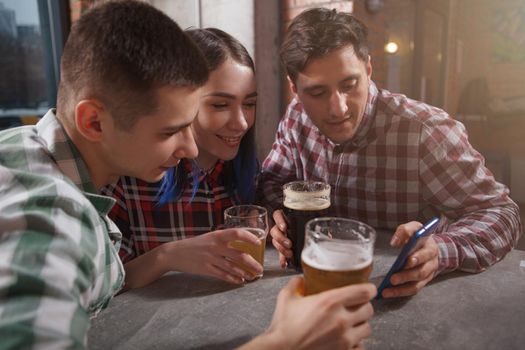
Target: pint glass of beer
(337, 252)
(254, 219)
(303, 201)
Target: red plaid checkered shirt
(145, 225)
(407, 161)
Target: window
(32, 35)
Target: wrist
(446, 249)
(167, 256)
(267, 340)
(276, 339)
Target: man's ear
(89, 118)
(369, 68)
(291, 84)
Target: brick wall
(78, 7)
(291, 8)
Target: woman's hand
(210, 254)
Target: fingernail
(394, 241)
(281, 227)
(414, 261)
(287, 243)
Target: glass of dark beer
(303, 201)
(337, 252)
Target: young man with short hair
(389, 160)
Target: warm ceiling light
(391, 47)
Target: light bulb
(391, 47)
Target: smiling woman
(158, 219)
(227, 113)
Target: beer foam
(310, 204)
(306, 200)
(332, 256)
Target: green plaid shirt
(58, 263)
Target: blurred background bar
(465, 56)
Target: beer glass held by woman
(253, 219)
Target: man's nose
(188, 147)
(338, 106)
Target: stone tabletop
(456, 311)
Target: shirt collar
(69, 160)
(212, 175)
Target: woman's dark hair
(239, 174)
(317, 32)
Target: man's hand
(279, 239)
(335, 319)
(420, 267)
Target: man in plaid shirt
(389, 159)
(129, 90)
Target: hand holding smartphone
(416, 242)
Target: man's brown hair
(317, 32)
(120, 53)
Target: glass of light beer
(303, 201)
(337, 252)
(254, 219)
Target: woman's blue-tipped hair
(174, 182)
(239, 176)
(171, 184)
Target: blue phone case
(415, 242)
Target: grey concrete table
(456, 311)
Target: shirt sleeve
(47, 254)
(483, 223)
(278, 167)
(121, 217)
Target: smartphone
(414, 243)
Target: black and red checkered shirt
(145, 225)
(407, 161)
